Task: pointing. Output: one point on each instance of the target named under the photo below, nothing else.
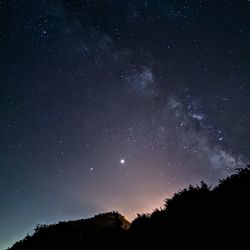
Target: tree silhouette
(195, 216)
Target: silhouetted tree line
(195, 217)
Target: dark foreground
(196, 217)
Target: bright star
(122, 161)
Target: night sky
(115, 105)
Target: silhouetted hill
(201, 215)
(197, 216)
(100, 230)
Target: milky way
(116, 105)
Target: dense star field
(115, 105)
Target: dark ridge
(197, 216)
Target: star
(122, 161)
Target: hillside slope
(195, 217)
(97, 231)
